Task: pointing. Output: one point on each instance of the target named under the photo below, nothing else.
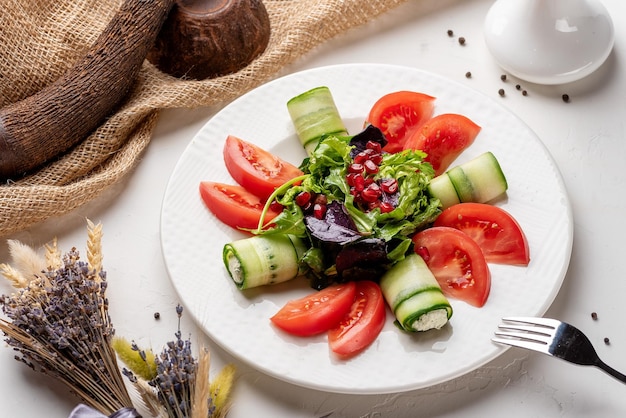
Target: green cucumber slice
(442, 188)
(486, 177)
(314, 115)
(478, 180)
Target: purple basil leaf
(370, 133)
(337, 214)
(329, 231)
(337, 225)
(362, 260)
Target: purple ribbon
(84, 411)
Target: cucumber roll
(314, 114)
(264, 259)
(415, 296)
(479, 180)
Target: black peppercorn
(565, 98)
(157, 315)
(501, 92)
(468, 74)
(503, 77)
(462, 40)
(450, 32)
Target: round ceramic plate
(192, 238)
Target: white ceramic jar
(549, 41)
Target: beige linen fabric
(40, 39)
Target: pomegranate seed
(376, 158)
(368, 181)
(359, 183)
(355, 168)
(319, 211)
(368, 196)
(350, 179)
(370, 167)
(386, 207)
(303, 198)
(373, 205)
(361, 157)
(374, 146)
(371, 193)
(276, 207)
(389, 186)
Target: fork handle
(608, 369)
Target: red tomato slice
(443, 138)
(457, 263)
(363, 322)
(234, 205)
(397, 114)
(257, 170)
(317, 312)
(496, 232)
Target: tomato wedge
(234, 205)
(457, 263)
(257, 170)
(363, 322)
(443, 138)
(397, 114)
(316, 313)
(496, 232)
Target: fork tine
(525, 332)
(546, 322)
(529, 345)
(534, 330)
(543, 339)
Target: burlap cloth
(40, 39)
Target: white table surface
(587, 138)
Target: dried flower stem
(61, 327)
(94, 246)
(26, 260)
(181, 385)
(200, 408)
(220, 391)
(141, 362)
(54, 259)
(56, 365)
(14, 276)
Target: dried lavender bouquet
(59, 324)
(58, 320)
(174, 383)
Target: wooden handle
(41, 127)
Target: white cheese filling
(431, 320)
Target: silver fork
(552, 337)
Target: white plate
(192, 239)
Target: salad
(365, 218)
